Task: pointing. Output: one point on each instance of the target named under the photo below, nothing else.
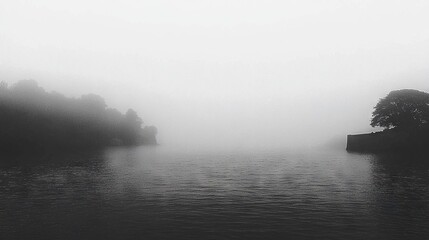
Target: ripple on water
(129, 193)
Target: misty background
(238, 74)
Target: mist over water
(252, 102)
(163, 193)
(227, 74)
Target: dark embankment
(414, 140)
(33, 120)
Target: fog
(237, 74)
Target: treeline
(32, 119)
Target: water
(159, 193)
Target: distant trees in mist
(402, 109)
(33, 119)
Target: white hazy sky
(238, 73)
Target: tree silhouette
(94, 102)
(3, 86)
(406, 108)
(132, 119)
(32, 118)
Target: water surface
(161, 193)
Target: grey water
(162, 193)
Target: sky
(226, 73)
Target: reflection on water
(401, 195)
(158, 193)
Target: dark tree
(132, 119)
(405, 108)
(27, 88)
(3, 86)
(93, 101)
(33, 119)
(131, 127)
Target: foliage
(32, 118)
(405, 108)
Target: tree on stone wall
(406, 108)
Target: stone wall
(390, 140)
